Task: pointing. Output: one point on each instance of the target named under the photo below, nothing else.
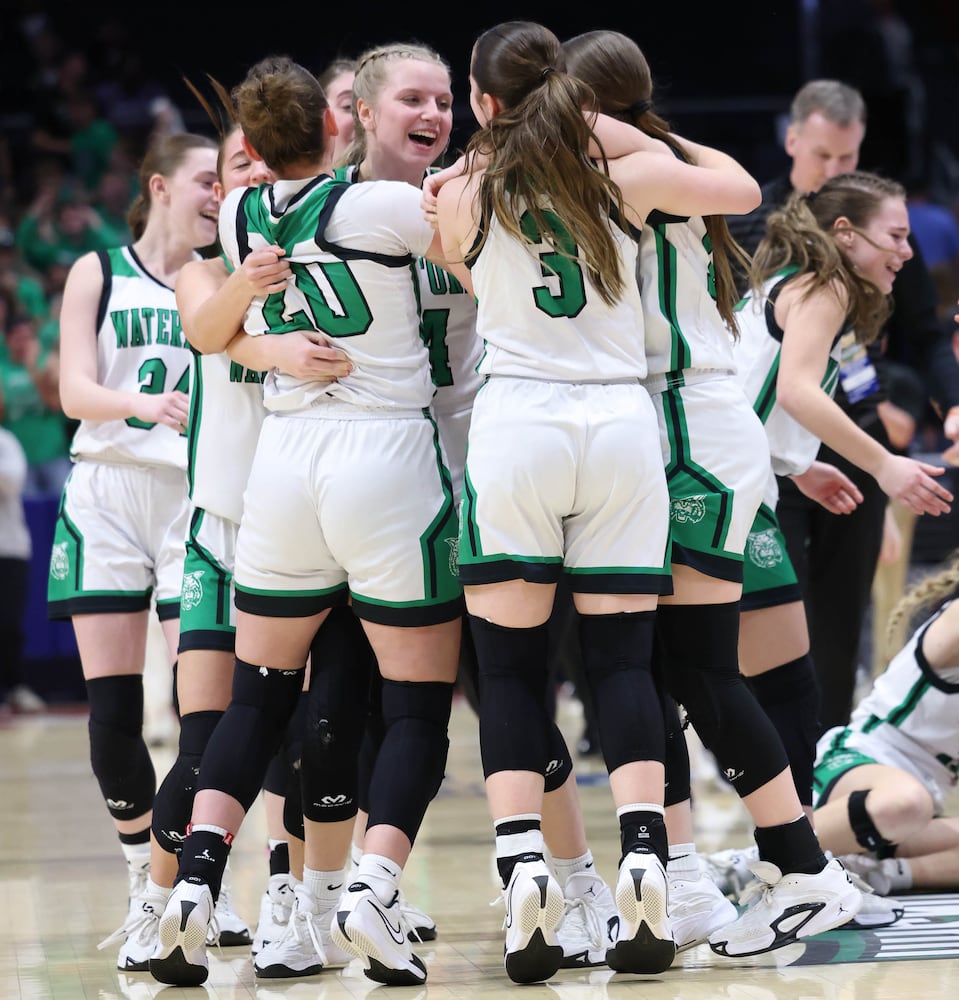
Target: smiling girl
(125, 375)
(820, 288)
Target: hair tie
(639, 108)
(545, 72)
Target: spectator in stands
(60, 227)
(30, 406)
(14, 574)
(20, 281)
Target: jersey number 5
(558, 265)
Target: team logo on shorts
(454, 544)
(192, 593)
(688, 510)
(59, 561)
(763, 549)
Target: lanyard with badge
(857, 373)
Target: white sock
(137, 855)
(356, 856)
(564, 867)
(899, 872)
(682, 859)
(382, 875)
(157, 890)
(325, 887)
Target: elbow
(749, 199)
(68, 405)
(790, 401)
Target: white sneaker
(788, 907)
(180, 958)
(876, 910)
(643, 940)
(140, 932)
(584, 931)
(420, 926)
(730, 870)
(364, 927)
(305, 947)
(534, 909)
(233, 928)
(24, 699)
(885, 877)
(276, 905)
(696, 907)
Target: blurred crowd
(76, 116)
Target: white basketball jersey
(140, 348)
(913, 706)
(448, 328)
(683, 327)
(226, 411)
(351, 247)
(541, 317)
(792, 447)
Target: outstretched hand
(912, 483)
(829, 487)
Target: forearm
(214, 323)
(82, 399)
(256, 353)
(824, 418)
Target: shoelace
(859, 882)
(595, 932)
(408, 917)
(135, 926)
(767, 877)
(300, 914)
(501, 898)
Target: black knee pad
(293, 807)
(698, 650)
(337, 707)
(330, 764)
(617, 657)
(173, 805)
(412, 760)
(513, 677)
(467, 675)
(175, 700)
(560, 764)
(864, 829)
(677, 754)
(251, 731)
(789, 694)
(291, 750)
(118, 754)
(277, 774)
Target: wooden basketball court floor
(63, 886)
